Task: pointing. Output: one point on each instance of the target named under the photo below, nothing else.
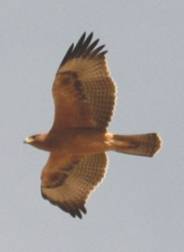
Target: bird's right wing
(68, 183)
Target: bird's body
(81, 141)
(84, 95)
(75, 141)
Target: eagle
(84, 96)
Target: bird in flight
(84, 95)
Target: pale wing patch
(87, 68)
(73, 193)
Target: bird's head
(36, 140)
(32, 139)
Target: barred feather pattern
(100, 94)
(97, 86)
(72, 194)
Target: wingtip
(83, 209)
(91, 34)
(85, 47)
(83, 36)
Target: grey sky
(139, 207)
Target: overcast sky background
(139, 207)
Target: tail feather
(143, 144)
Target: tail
(143, 145)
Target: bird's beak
(27, 140)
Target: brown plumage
(84, 95)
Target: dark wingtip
(70, 208)
(67, 55)
(83, 34)
(85, 47)
(103, 53)
(83, 209)
(90, 36)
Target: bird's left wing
(67, 182)
(83, 90)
